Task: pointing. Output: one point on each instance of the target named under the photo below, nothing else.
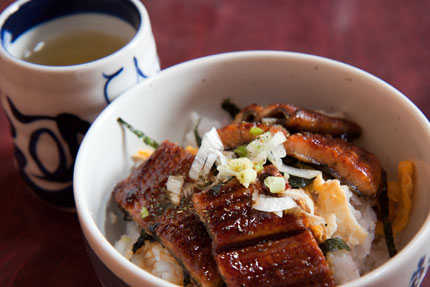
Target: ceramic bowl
(393, 128)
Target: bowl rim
(105, 250)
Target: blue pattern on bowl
(109, 78)
(70, 128)
(420, 272)
(139, 74)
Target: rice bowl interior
(161, 106)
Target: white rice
(349, 265)
(343, 266)
(152, 256)
(378, 255)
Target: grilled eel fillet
(352, 165)
(255, 248)
(296, 119)
(176, 227)
(295, 260)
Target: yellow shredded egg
(318, 232)
(400, 195)
(142, 154)
(192, 150)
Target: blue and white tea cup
(51, 107)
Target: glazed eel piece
(295, 260)
(226, 210)
(176, 227)
(255, 248)
(297, 119)
(352, 165)
(237, 134)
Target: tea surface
(74, 48)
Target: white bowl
(394, 129)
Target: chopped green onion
(230, 107)
(241, 151)
(246, 177)
(275, 184)
(144, 212)
(147, 140)
(258, 166)
(333, 244)
(256, 131)
(239, 164)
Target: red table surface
(42, 246)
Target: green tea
(74, 48)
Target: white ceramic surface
(393, 128)
(51, 107)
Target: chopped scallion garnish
(275, 184)
(258, 166)
(144, 212)
(255, 131)
(241, 151)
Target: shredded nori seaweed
(299, 182)
(231, 108)
(147, 140)
(289, 160)
(141, 240)
(127, 216)
(196, 134)
(384, 210)
(187, 278)
(333, 244)
(153, 227)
